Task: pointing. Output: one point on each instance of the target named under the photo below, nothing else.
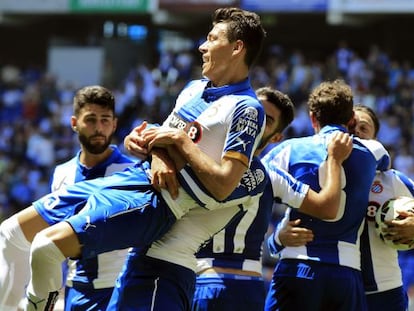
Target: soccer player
(164, 277)
(380, 270)
(325, 273)
(220, 113)
(229, 265)
(95, 123)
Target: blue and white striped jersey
(100, 272)
(380, 268)
(225, 121)
(335, 241)
(239, 245)
(73, 171)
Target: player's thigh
(87, 299)
(216, 294)
(391, 300)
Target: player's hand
(134, 142)
(340, 146)
(401, 230)
(164, 174)
(292, 235)
(164, 137)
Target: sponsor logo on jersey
(60, 184)
(247, 123)
(193, 129)
(243, 143)
(252, 179)
(88, 224)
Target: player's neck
(90, 160)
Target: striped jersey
(101, 271)
(226, 121)
(202, 227)
(380, 268)
(239, 245)
(335, 241)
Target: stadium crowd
(34, 107)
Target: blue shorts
(87, 298)
(391, 300)
(150, 284)
(308, 285)
(116, 212)
(406, 261)
(223, 292)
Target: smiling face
(217, 53)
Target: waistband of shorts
(229, 276)
(244, 265)
(88, 286)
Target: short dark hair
(282, 102)
(93, 94)
(371, 114)
(332, 102)
(245, 26)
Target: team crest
(377, 187)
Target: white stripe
(199, 193)
(154, 294)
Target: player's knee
(12, 235)
(40, 246)
(44, 250)
(6, 229)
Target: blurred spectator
(35, 136)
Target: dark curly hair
(332, 103)
(93, 94)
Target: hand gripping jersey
(380, 268)
(172, 256)
(223, 121)
(101, 271)
(335, 241)
(239, 245)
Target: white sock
(46, 267)
(14, 263)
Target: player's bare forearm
(220, 179)
(164, 172)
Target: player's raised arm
(326, 204)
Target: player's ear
(277, 137)
(352, 124)
(238, 46)
(315, 123)
(115, 124)
(73, 123)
